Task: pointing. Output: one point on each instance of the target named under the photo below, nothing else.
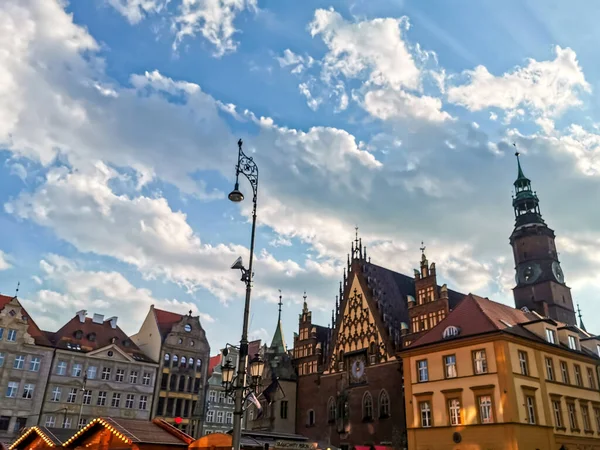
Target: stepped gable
(34, 331)
(165, 321)
(390, 292)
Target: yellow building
(492, 377)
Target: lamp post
(247, 167)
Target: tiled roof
(213, 362)
(476, 315)
(34, 331)
(88, 336)
(166, 320)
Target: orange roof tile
(165, 321)
(212, 363)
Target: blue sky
(118, 128)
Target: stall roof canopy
(54, 437)
(249, 439)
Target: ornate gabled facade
(540, 282)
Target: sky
(119, 122)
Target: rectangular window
(485, 409)
(210, 416)
(12, 388)
(133, 377)
(19, 362)
(76, 370)
(101, 398)
(61, 368)
(530, 405)
(129, 401)
(597, 416)
(67, 422)
(591, 378)
(557, 413)
(50, 421)
(2, 357)
(572, 342)
(454, 409)
(450, 366)
(34, 364)
(283, 409)
(585, 416)
(425, 408)
(91, 372)
(578, 380)
(120, 375)
(572, 416)
(106, 373)
(549, 369)
(229, 417)
(116, 400)
(220, 416)
(143, 402)
(87, 397)
(56, 393)
(147, 378)
(550, 336)
(414, 322)
(72, 398)
(480, 361)
(221, 397)
(2, 334)
(523, 363)
(11, 336)
(28, 390)
(82, 423)
(564, 370)
(212, 396)
(423, 374)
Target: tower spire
(581, 325)
(278, 342)
(525, 202)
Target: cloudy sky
(118, 128)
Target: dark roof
(140, 431)
(391, 290)
(88, 336)
(166, 320)
(34, 331)
(58, 436)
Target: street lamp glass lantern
(227, 372)
(236, 195)
(257, 366)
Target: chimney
(81, 314)
(113, 322)
(98, 318)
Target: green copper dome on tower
(525, 202)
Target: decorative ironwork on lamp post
(247, 167)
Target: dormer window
(450, 332)
(12, 313)
(78, 334)
(572, 342)
(550, 336)
(91, 337)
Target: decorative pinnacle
(281, 303)
(520, 171)
(240, 143)
(422, 248)
(18, 286)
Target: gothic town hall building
(350, 379)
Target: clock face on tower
(528, 273)
(558, 273)
(357, 370)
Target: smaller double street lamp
(237, 385)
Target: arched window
(191, 363)
(198, 364)
(183, 361)
(175, 360)
(367, 406)
(167, 357)
(384, 404)
(331, 409)
(311, 418)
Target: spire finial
(422, 248)
(581, 325)
(280, 304)
(240, 143)
(17, 290)
(517, 153)
(356, 234)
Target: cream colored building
(490, 376)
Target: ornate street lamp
(247, 167)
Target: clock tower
(540, 283)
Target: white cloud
(546, 87)
(110, 293)
(135, 10)
(387, 104)
(313, 103)
(4, 264)
(213, 19)
(374, 46)
(297, 62)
